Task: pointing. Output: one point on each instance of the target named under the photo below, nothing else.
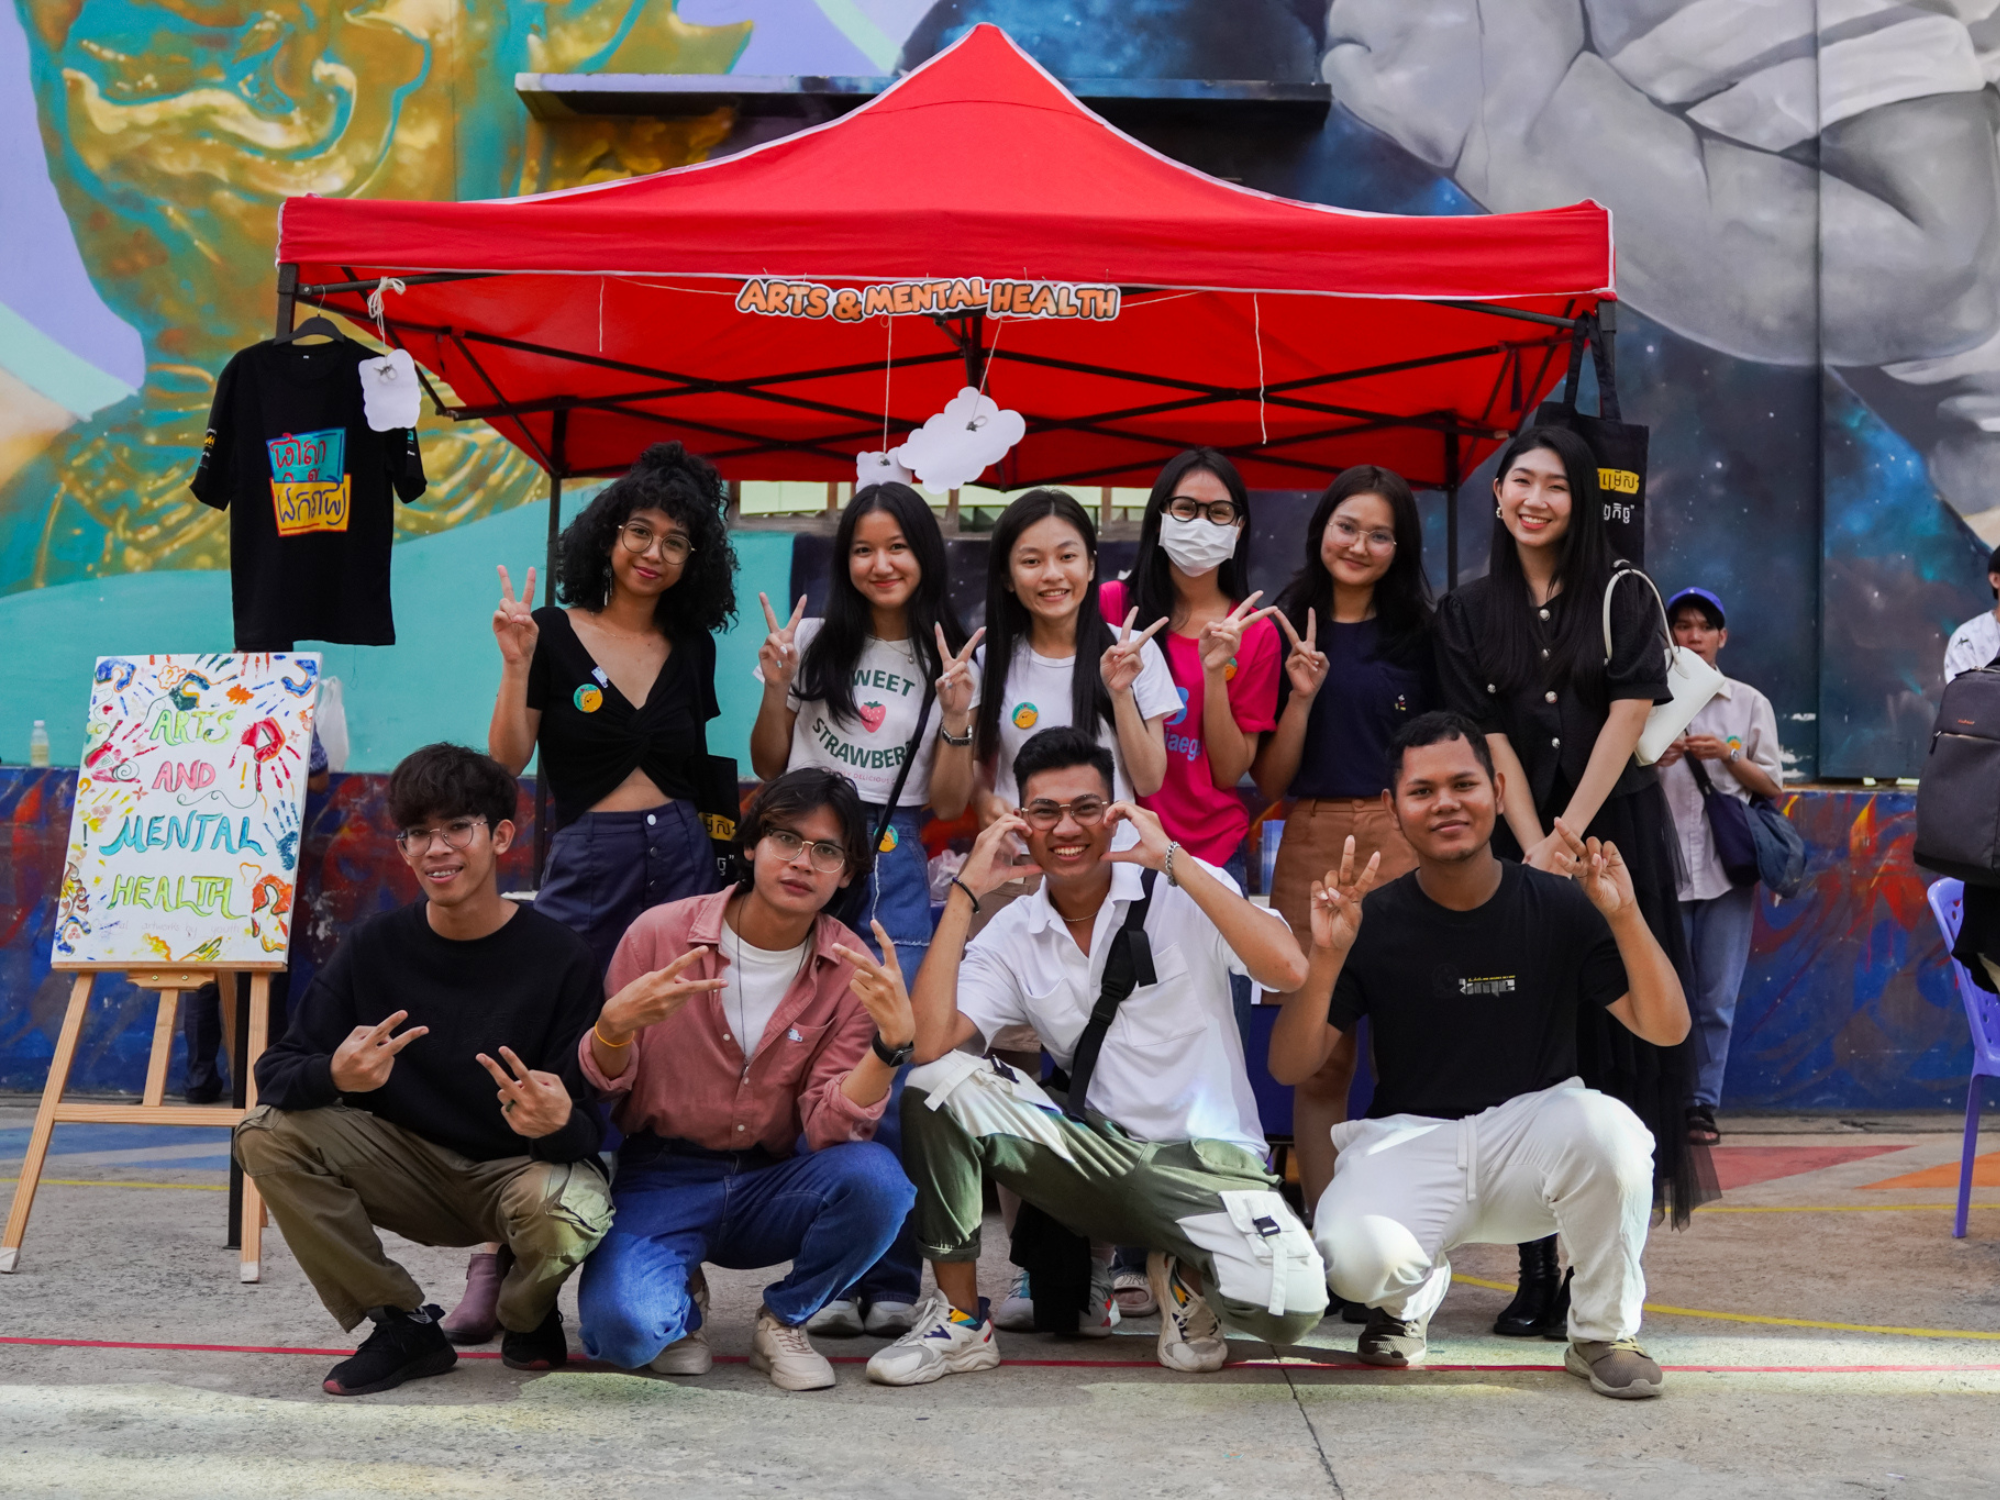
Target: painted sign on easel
(184, 846)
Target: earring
(1499, 512)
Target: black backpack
(1958, 796)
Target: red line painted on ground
(1343, 1368)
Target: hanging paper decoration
(389, 391)
(956, 446)
(879, 468)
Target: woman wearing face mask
(843, 694)
(1521, 653)
(1360, 667)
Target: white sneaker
(1190, 1334)
(784, 1353)
(937, 1345)
(1098, 1321)
(888, 1320)
(1134, 1293)
(1015, 1312)
(690, 1355)
(839, 1319)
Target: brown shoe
(1622, 1370)
(477, 1317)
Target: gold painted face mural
(173, 130)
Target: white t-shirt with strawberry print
(868, 749)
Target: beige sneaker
(1190, 1335)
(786, 1355)
(690, 1355)
(1621, 1370)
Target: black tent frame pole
(560, 422)
(1451, 484)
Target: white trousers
(1567, 1160)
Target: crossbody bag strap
(909, 760)
(1701, 781)
(1126, 967)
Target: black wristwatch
(894, 1057)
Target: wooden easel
(172, 981)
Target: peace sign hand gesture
(651, 998)
(1305, 665)
(533, 1103)
(954, 688)
(514, 624)
(1336, 900)
(1220, 640)
(1122, 661)
(881, 990)
(362, 1063)
(778, 657)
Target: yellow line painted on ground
(1725, 1317)
(181, 1187)
(1833, 1208)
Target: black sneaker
(543, 1348)
(404, 1346)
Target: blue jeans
(1718, 939)
(831, 1213)
(608, 867)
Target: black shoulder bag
(1128, 965)
(850, 904)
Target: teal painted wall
(437, 682)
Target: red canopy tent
(1298, 338)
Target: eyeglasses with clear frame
(1348, 533)
(637, 538)
(1042, 814)
(457, 834)
(1188, 508)
(827, 856)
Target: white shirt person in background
(1735, 739)
(1975, 643)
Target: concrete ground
(1824, 1337)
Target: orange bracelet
(614, 1046)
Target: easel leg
(45, 1123)
(163, 1048)
(253, 1203)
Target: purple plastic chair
(1982, 1014)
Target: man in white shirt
(1734, 740)
(1977, 641)
(1170, 1153)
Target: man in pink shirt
(736, 1025)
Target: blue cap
(1711, 606)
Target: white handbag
(1691, 680)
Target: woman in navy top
(1358, 614)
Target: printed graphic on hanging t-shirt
(310, 490)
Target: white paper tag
(389, 391)
(955, 447)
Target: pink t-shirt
(1209, 820)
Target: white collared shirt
(1172, 1065)
(1739, 715)
(1972, 645)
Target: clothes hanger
(319, 323)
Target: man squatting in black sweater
(379, 1105)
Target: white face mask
(1198, 545)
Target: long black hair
(1150, 584)
(826, 672)
(1007, 619)
(1584, 565)
(1402, 598)
(686, 487)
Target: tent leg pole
(288, 281)
(541, 776)
(1451, 481)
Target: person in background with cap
(1734, 739)
(1975, 643)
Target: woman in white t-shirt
(1042, 620)
(843, 693)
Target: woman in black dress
(1521, 652)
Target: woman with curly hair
(617, 689)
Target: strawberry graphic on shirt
(872, 715)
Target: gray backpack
(1958, 796)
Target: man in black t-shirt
(362, 1124)
(1471, 970)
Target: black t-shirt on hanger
(308, 486)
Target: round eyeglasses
(1188, 508)
(457, 834)
(1348, 534)
(827, 856)
(1042, 814)
(638, 538)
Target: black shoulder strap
(1126, 967)
(909, 759)
(1700, 774)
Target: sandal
(1701, 1127)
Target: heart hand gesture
(1220, 640)
(1122, 660)
(954, 688)
(778, 657)
(1336, 900)
(1305, 665)
(990, 865)
(514, 624)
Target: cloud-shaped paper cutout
(878, 468)
(955, 447)
(389, 393)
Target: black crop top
(591, 738)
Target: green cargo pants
(332, 1175)
(1209, 1203)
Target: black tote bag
(1620, 447)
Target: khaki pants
(1208, 1202)
(332, 1175)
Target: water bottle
(38, 744)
